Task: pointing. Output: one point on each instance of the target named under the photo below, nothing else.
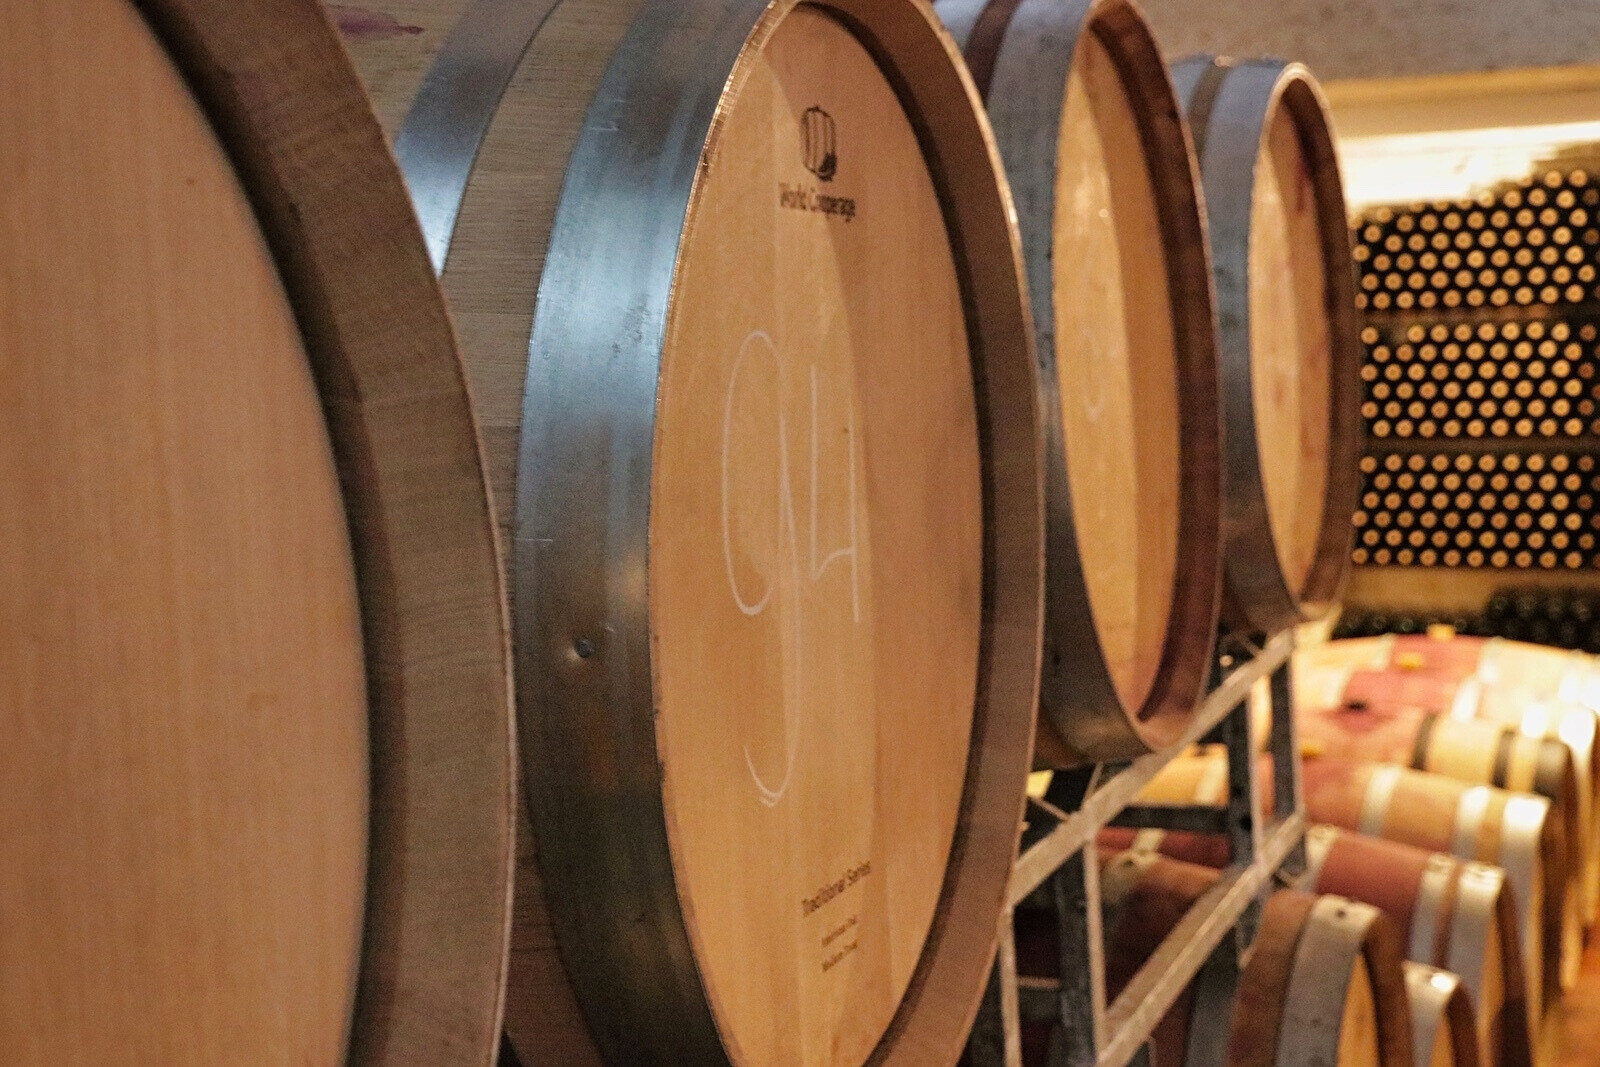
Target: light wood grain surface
(491, 280)
(1358, 1026)
(183, 844)
(1117, 364)
(1290, 346)
(816, 544)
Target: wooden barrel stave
(1289, 352)
(660, 75)
(1442, 1033)
(1105, 184)
(1145, 897)
(339, 382)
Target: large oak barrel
(1442, 1033)
(1289, 336)
(1323, 985)
(258, 756)
(1510, 830)
(1114, 241)
(742, 307)
(1465, 729)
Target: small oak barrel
(1112, 232)
(1512, 831)
(1324, 984)
(1433, 722)
(1289, 337)
(258, 753)
(1541, 691)
(743, 312)
(1442, 1033)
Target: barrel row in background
(1466, 708)
(1467, 873)
(717, 505)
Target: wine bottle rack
(1481, 378)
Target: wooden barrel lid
(261, 574)
(1115, 246)
(1290, 353)
(816, 552)
(779, 550)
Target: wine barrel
(1539, 690)
(1429, 811)
(1531, 671)
(1442, 1033)
(1399, 717)
(1290, 348)
(742, 307)
(1458, 916)
(1526, 745)
(1114, 243)
(258, 739)
(1323, 985)
(1145, 897)
(1513, 831)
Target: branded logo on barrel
(819, 151)
(821, 139)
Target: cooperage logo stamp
(820, 140)
(819, 151)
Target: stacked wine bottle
(1481, 379)
(1529, 245)
(1519, 510)
(1564, 618)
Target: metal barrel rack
(1059, 849)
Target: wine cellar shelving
(1481, 379)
